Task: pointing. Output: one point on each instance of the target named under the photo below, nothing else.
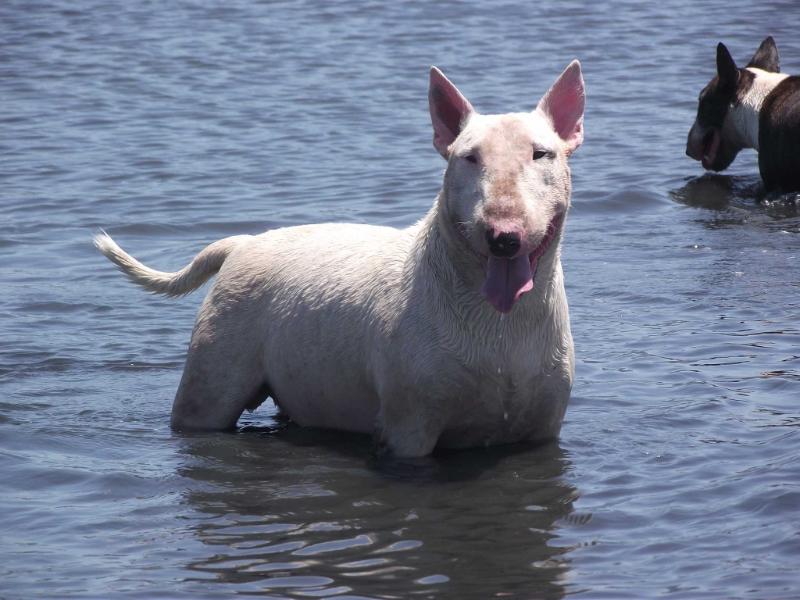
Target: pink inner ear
(564, 104)
(449, 109)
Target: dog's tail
(192, 276)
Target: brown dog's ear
(766, 57)
(449, 111)
(727, 70)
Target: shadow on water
(297, 512)
(738, 196)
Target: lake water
(171, 125)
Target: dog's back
(779, 136)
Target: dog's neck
(744, 114)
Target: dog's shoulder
(781, 107)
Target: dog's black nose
(503, 245)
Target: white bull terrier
(452, 332)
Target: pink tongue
(506, 280)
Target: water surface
(172, 125)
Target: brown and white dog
(452, 332)
(754, 107)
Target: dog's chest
(504, 383)
(498, 405)
(503, 398)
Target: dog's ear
(449, 111)
(727, 70)
(563, 104)
(766, 57)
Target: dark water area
(677, 474)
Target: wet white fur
(378, 330)
(741, 123)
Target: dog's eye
(471, 158)
(537, 154)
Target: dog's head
(715, 138)
(507, 184)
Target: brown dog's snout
(691, 152)
(503, 244)
(694, 146)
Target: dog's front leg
(407, 428)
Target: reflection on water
(307, 512)
(736, 194)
